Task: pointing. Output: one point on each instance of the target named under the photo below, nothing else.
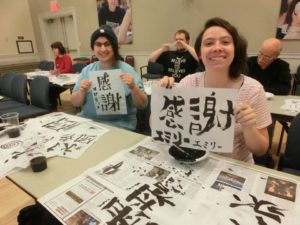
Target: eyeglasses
(262, 55)
(99, 44)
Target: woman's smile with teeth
(217, 57)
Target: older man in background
(273, 73)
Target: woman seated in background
(223, 52)
(104, 44)
(63, 64)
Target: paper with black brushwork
(198, 118)
(60, 134)
(108, 92)
(144, 185)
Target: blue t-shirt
(127, 121)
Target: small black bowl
(187, 155)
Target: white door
(60, 28)
(70, 36)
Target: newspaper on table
(108, 92)
(31, 75)
(144, 185)
(198, 118)
(61, 79)
(61, 134)
(64, 79)
(292, 105)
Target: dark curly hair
(239, 63)
(59, 46)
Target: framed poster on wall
(117, 15)
(24, 46)
(288, 26)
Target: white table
(61, 170)
(275, 104)
(65, 79)
(283, 116)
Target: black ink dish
(38, 164)
(187, 155)
(13, 132)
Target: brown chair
(130, 60)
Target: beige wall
(155, 22)
(85, 14)
(15, 20)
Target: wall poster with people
(288, 26)
(117, 14)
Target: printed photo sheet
(143, 185)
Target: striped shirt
(251, 93)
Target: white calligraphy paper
(60, 134)
(198, 118)
(108, 92)
(292, 105)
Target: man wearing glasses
(273, 73)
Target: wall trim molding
(147, 53)
(283, 55)
(10, 59)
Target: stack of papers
(292, 105)
(61, 134)
(144, 185)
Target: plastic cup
(172, 47)
(34, 149)
(12, 124)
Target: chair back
(6, 83)
(155, 68)
(77, 67)
(154, 71)
(291, 157)
(49, 66)
(43, 65)
(19, 87)
(39, 92)
(297, 76)
(0, 83)
(46, 65)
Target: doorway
(60, 26)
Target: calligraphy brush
(182, 150)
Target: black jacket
(276, 78)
